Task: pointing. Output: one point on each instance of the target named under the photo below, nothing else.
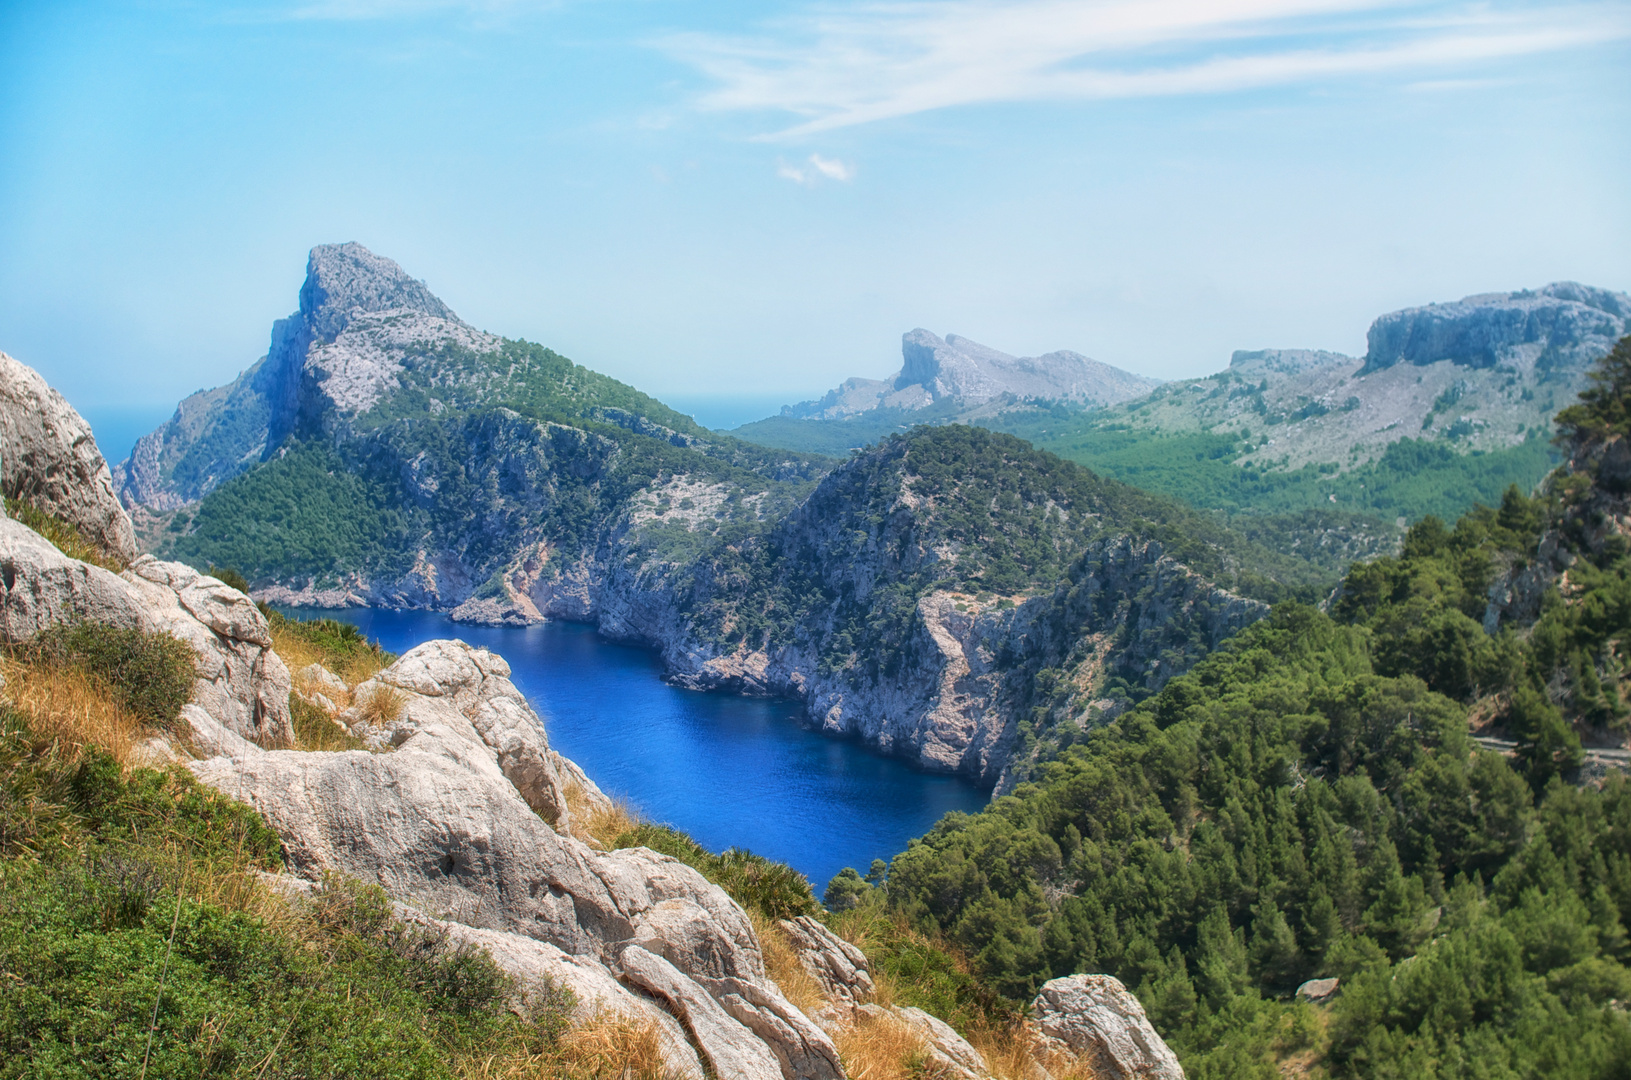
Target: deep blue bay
(729, 770)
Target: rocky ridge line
(935, 369)
(463, 814)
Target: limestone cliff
(957, 370)
(387, 454)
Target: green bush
(106, 926)
(774, 890)
(339, 642)
(151, 674)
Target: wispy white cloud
(851, 64)
(368, 10)
(815, 169)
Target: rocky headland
(385, 453)
(471, 824)
(956, 370)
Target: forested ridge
(1308, 801)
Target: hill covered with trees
(1310, 801)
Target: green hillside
(1308, 802)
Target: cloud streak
(841, 66)
(815, 169)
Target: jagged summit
(935, 369)
(360, 316)
(1565, 325)
(343, 279)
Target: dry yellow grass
(76, 712)
(382, 705)
(604, 1046)
(783, 967)
(314, 729)
(71, 708)
(882, 1049)
(599, 824)
(298, 653)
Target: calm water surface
(726, 769)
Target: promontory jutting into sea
(425, 703)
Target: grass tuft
(382, 705)
(63, 536)
(599, 824)
(774, 890)
(882, 1048)
(315, 730)
(338, 646)
(151, 675)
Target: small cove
(729, 770)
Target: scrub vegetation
(1308, 801)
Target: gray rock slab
(730, 1048)
(49, 458)
(1094, 1020)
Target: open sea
(729, 770)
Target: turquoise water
(731, 771)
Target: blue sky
(756, 200)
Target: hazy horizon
(697, 199)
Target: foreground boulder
(240, 682)
(1092, 1021)
(451, 815)
(838, 967)
(49, 459)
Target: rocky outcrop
(1092, 1021)
(41, 587)
(935, 369)
(1318, 991)
(241, 686)
(360, 317)
(839, 969)
(1563, 326)
(241, 682)
(49, 459)
(450, 815)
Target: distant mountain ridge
(1451, 403)
(385, 453)
(955, 368)
(1564, 326)
(360, 316)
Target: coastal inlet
(731, 771)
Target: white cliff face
(48, 457)
(449, 817)
(934, 369)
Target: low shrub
(338, 646)
(63, 536)
(152, 675)
(774, 890)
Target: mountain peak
(1563, 325)
(343, 279)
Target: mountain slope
(418, 462)
(1376, 796)
(1450, 405)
